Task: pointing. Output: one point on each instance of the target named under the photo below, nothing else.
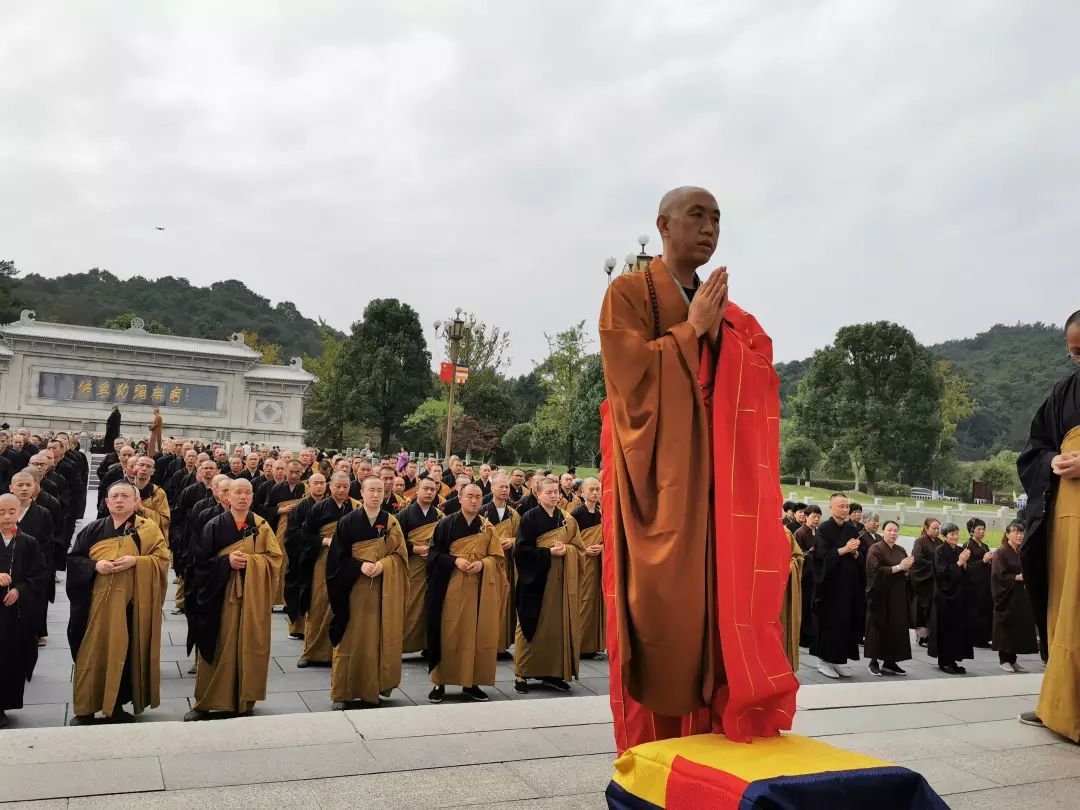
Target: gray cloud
(873, 160)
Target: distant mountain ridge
(96, 296)
(1010, 369)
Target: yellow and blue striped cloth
(778, 773)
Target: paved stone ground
(291, 690)
(959, 733)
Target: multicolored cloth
(778, 773)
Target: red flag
(446, 372)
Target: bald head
(689, 225)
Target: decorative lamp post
(609, 267)
(641, 261)
(454, 331)
(633, 263)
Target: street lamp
(633, 263)
(454, 331)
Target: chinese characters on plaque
(113, 390)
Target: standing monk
(504, 520)
(314, 603)
(280, 501)
(235, 566)
(117, 572)
(548, 557)
(112, 428)
(366, 580)
(156, 428)
(297, 577)
(1049, 469)
(153, 503)
(691, 486)
(465, 600)
(417, 526)
(589, 523)
(23, 575)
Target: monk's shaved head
(671, 201)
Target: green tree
(487, 398)
(584, 415)
(324, 416)
(517, 440)
(956, 406)
(873, 397)
(561, 375)
(9, 296)
(270, 352)
(528, 393)
(424, 430)
(124, 322)
(387, 365)
(798, 455)
(999, 472)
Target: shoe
(386, 695)
(961, 670)
(1030, 719)
(41, 642)
(504, 656)
(337, 706)
(843, 672)
(423, 655)
(81, 720)
(874, 669)
(121, 716)
(922, 642)
(983, 646)
(558, 684)
(177, 611)
(192, 670)
(248, 713)
(437, 694)
(296, 636)
(521, 686)
(475, 693)
(952, 669)
(892, 669)
(3, 720)
(1018, 668)
(828, 670)
(1008, 667)
(588, 656)
(302, 663)
(195, 715)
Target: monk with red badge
(690, 446)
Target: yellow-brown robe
(116, 618)
(283, 496)
(320, 525)
(592, 598)
(228, 612)
(791, 613)
(548, 639)
(417, 529)
(465, 611)
(506, 529)
(368, 612)
(155, 506)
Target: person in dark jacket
(1014, 621)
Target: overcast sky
(915, 162)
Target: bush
(891, 489)
(835, 485)
(789, 480)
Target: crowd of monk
(370, 559)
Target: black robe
(178, 482)
(921, 576)
(451, 504)
(412, 517)
(527, 503)
(838, 594)
(1059, 414)
(38, 523)
(317, 516)
(112, 429)
(114, 475)
(279, 493)
(6, 471)
(805, 537)
(294, 544)
(887, 635)
(950, 632)
(980, 602)
(207, 577)
(181, 535)
(1014, 622)
(23, 560)
(342, 571)
(440, 566)
(532, 565)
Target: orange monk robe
(691, 656)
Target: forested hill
(1010, 370)
(97, 296)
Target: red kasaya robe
(690, 476)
